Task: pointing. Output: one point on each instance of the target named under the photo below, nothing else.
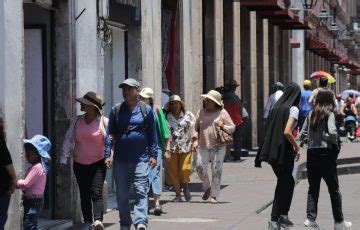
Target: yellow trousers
(179, 168)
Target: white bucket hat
(215, 96)
(174, 98)
(147, 93)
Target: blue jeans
(4, 205)
(32, 209)
(154, 176)
(126, 173)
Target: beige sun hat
(174, 98)
(147, 93)
(215, 96)
(92, 98)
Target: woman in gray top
(319, 131)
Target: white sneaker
(342, 225)
(141, 227)
(98, 225)
(311, 224)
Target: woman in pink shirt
(209, 148)
(85, 140)
(33, 186)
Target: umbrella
(345, 93)
(319, 74)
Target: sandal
(213, 200)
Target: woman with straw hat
(209, 147)
(85, 140)
(181, 122)
(163, 133)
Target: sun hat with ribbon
(215, 96)
(92, 98)
(147, 93)
(174, 98)
(43, 146)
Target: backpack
(142, 108)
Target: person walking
(132, 129)
(320, 133)
(304, 108)
(278, 87)
(210, 119)
(178, 160)
(234, 106)
(322, 85)
(33, 185)
(85, 140)
(280, 150)
(7, 176)
(163, 133)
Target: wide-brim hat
(92, 98)
(147, 93)
(174, 98)
(215, 96)
(42, 145)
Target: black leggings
(90, 179)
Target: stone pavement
(245, 191)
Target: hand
(297, 152)
(153, 162)
(220, 123)
(167, 155)
(194, 146)
(108, 162)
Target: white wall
(11, 90)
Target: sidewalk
(246, 190)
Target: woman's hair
(324, 106)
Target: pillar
(219, 43)
(298, 58)
(12, 94)
(253, 77)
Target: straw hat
(215, 96)
(92, 98)
(147, 93)
(174, 98)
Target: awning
(292, 22)
(276, 15)
(355, 72)
(315, 45)
(352, 65)
(263, 4)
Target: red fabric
(170, 70)
(295, 132)
(357, 132)
(234, 112)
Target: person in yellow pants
(178, 159)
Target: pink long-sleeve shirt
(34, 182)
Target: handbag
(222, 136)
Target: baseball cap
(130, 82)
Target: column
(266, 69)
(236, 44)
(65, 105)
(298, 58)
(12, 93)
(151, 46)
(253, 77)
(219, 43)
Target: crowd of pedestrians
(139, 138)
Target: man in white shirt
(279, 87)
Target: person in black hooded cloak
(280, 150)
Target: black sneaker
(158, 210)
(274, 225)
(285, 222)
(178, 199)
